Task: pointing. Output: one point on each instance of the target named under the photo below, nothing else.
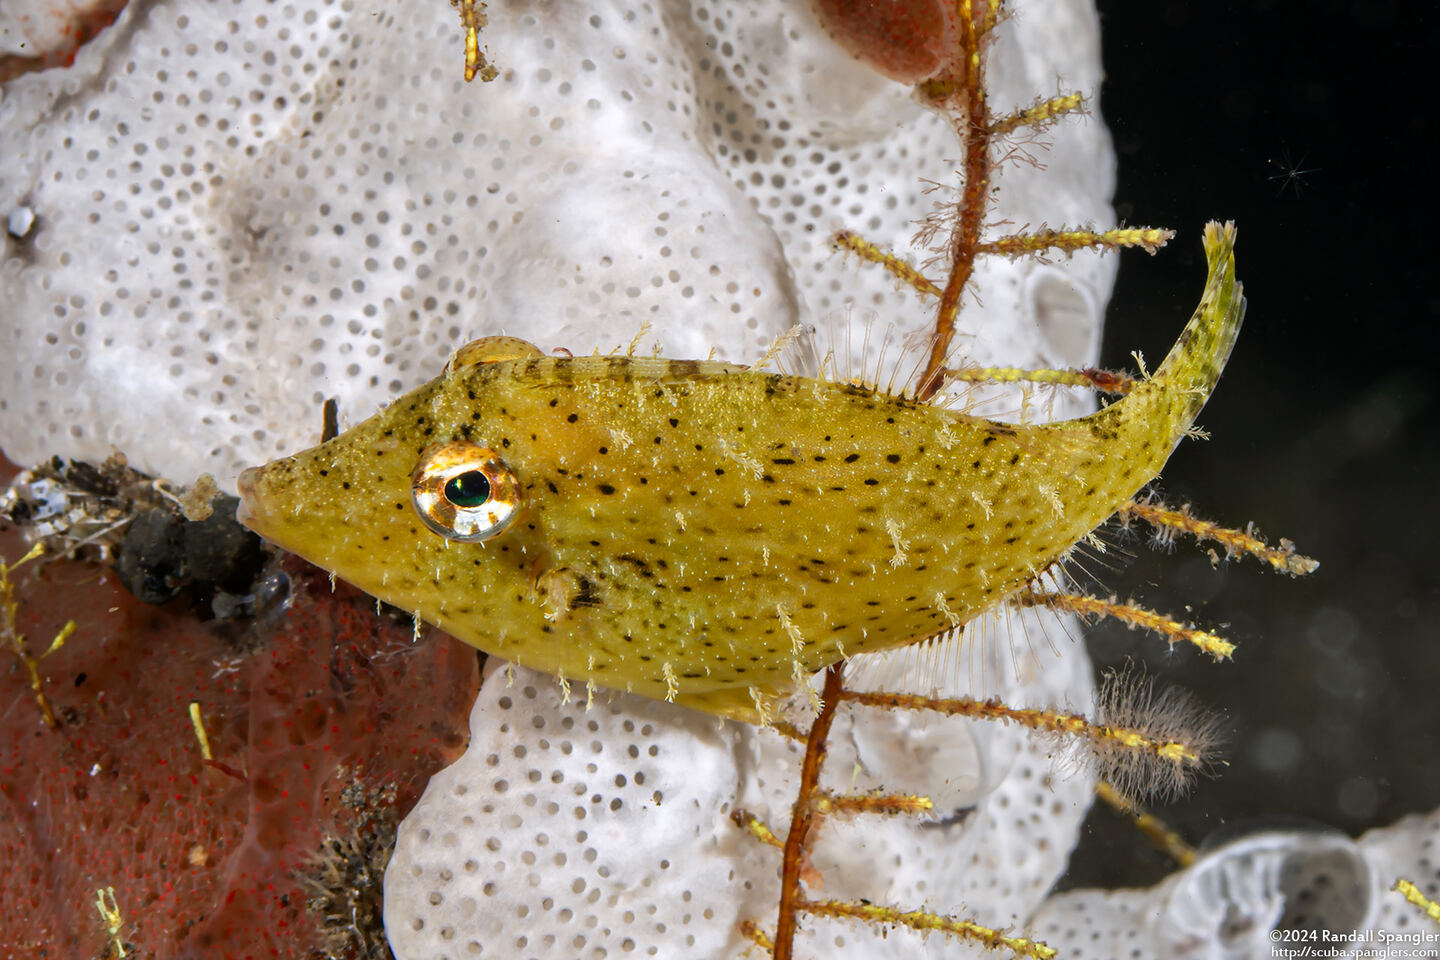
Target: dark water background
(1311, 125)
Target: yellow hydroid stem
(989, 15)
(924, 921)
(472, 18)
(110, 916)
(1282, 558)
(1172, 630)
(891, 803)
(1042, 241)
(757, 828)
(760, 938)
(1161, 837)
(1091, 379)
(60, 638)
(1173, 752)
(787, 729)
(9, 610)
(1412, 893)
(1040, 114)
(896, 266)
(199, 726)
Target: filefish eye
(464, 492)
(469, 489)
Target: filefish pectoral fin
(562, 591)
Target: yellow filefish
(707, 533)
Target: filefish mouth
(248, 513)
(262, 509)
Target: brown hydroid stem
(802, 817)
(973, 126)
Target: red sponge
(313, 704)
(906, 40)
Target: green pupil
(469, 489)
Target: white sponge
(1307, 890)
(225, 212)
(567, 832)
